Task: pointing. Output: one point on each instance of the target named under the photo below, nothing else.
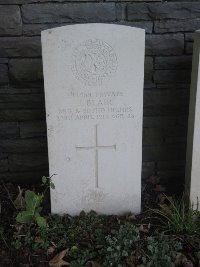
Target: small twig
(49, 185)
(1, 234)
(9, 197)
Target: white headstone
(93, 77)
(193, 140)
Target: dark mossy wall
(169, 37)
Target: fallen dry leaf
(38, 240)
(144, 228)
(19, 201)
(131, 217)
(19, 228)
(188, 263)
(179, 257)
(181, 260)
(51, 248)
(58, 261)
(133, 259)
(92, 264)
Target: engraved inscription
(93, 62)
(96, 148)
(95, 105)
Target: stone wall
(169, 35)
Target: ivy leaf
(52, 185)
(38, 210)
(92, 264)
(32, 201)
(44, 179)
(41, 221)
(25, 217)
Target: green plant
(160, 251)
(68, 230)
(179, 217)
(17, 241)
(33, 202)
(30, 236)
(127, 245)
(33, 208)
(47, 183)
(79, 256)
(119, 247)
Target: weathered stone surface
(28, 162)
(189, 48)
(154, 97)
(34, 101)
(176, 131)
(165, 44)
(167, 111)
(21, 90)
(22, 115)
(9, 129)
(152, 136)
(24, 177)
(175, 139)
(3, 162)
(20, 47)
(176, 25)
(35, 29)
(94, 108)
(175, 135)
(146, 25)
(10, 21)
(33, 129)
(7, 90)
(164, 152)
(158, 102)
(182, 120)
(159, 121)
(173, 86)
(174, 177)
(192, 181)
(38, 1)
(171, 165)
(189, 36)
(23, 71)
(136, 0)
(148, 70)
(175, 62)
(3, 74)
(120, 12)
(23, 145)
(148, 168)
(172, 76)
(71, 12)
(166, 10)
(3, 60)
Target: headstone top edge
(90, 25)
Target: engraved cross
(96, 148)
